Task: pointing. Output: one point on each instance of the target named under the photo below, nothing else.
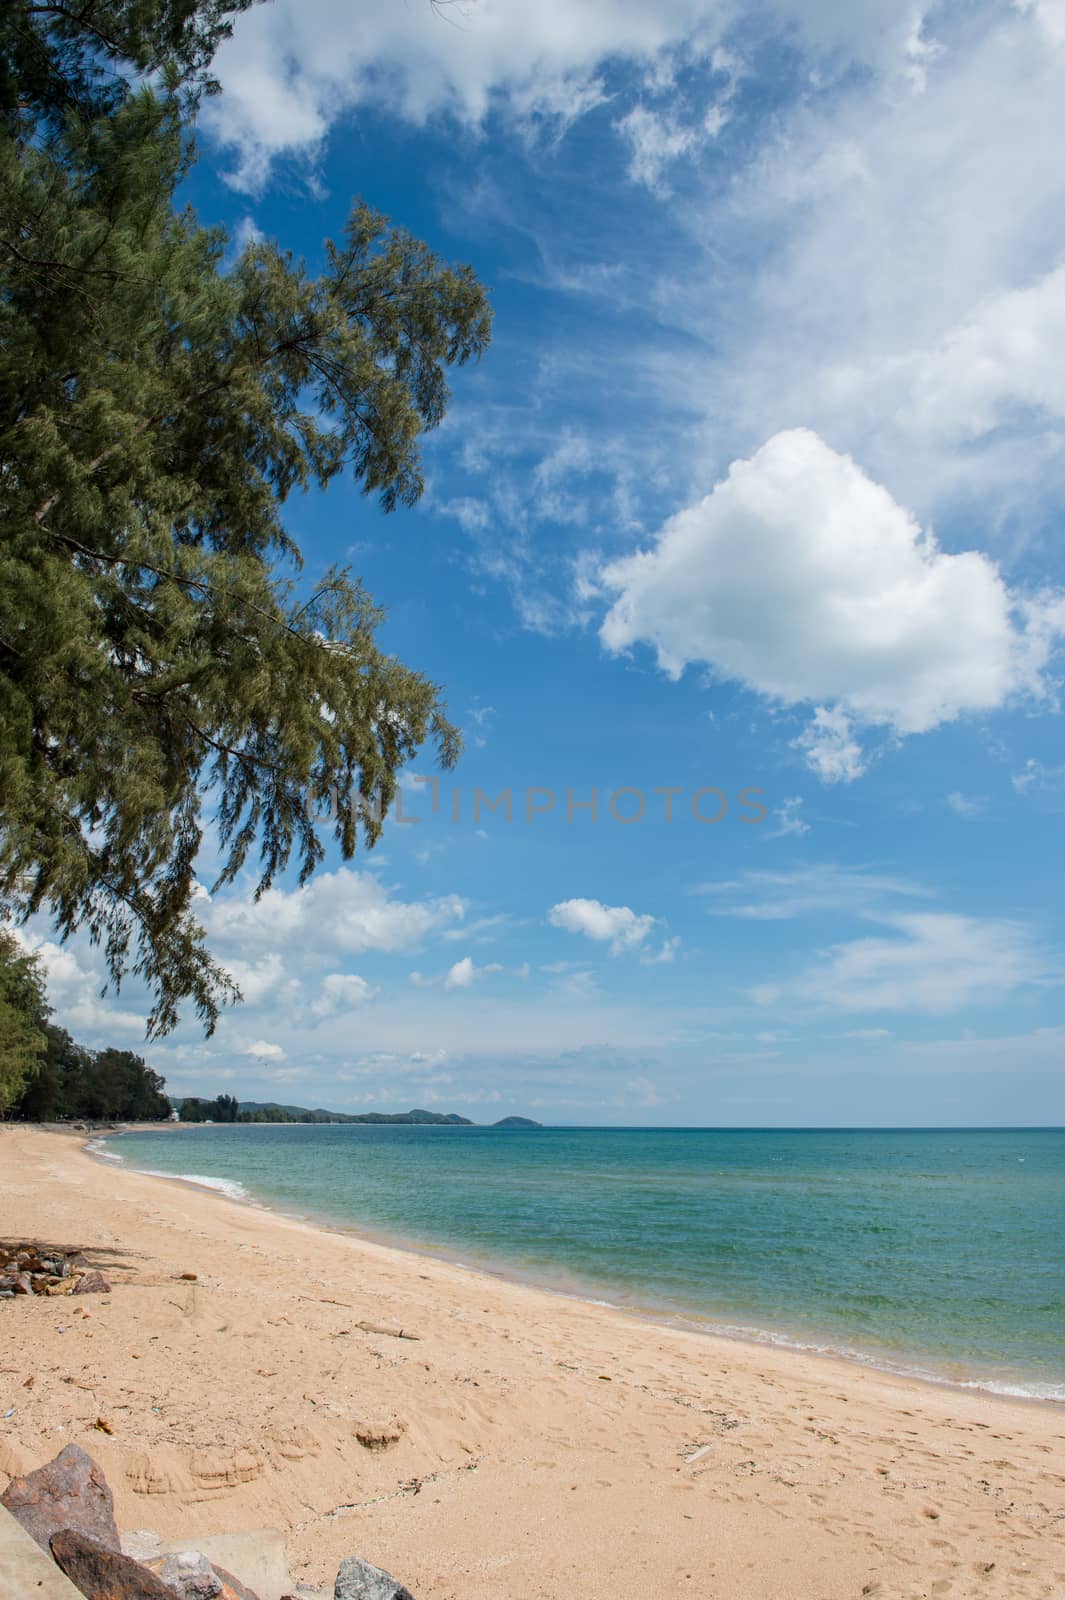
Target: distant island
(226, 1108)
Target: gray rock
(358, 1580)
(190, 1575)
(68, 1492)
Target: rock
(190, 1575)
(103, 1574)
(70, 1492)
(143, 1544)
(92, 1283)
(23, 1284)
(358, 1580)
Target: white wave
(1033, 1390)
(98, 1147)
(227, 1186)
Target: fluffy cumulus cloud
(294, 67)
(263, 1050)
(618, 926)
(341, 991)
(344, 910)
(931, 962)
(803, 579)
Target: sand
(522, 1447)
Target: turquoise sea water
(938, 1252)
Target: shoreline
(702, 1326)
(484, 1440)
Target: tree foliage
(161, 660)
(96, 1085)
(22, 1018)
(223, 1108)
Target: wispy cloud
(928, 962)
(767, 896)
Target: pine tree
(158, 652)
(22, 1018)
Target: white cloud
(966, 805)
(294, 67)
(464, 974)
(461, 975)
(255, 979)
(907, 288)
(74, 975)
(656, 140)
(789, 821)
(764, 896)
(664, 956)
(342, 991)
(1040, 781)
(263, 1050)
(343, 910)
(831, 749)
(1001, 358)
(929, 962)
(801, 578)
(621, 927)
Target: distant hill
(271, 1111)
(516, 1122)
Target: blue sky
(758, 489)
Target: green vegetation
(221, 1109)
(22, 1019)
(157, 651)
(45, 1076)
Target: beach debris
(104, 1574)
(68, 1492)
(392, 1333)
(187, 1277)
(27, 1269)
(358, 1580)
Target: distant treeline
(224, 1108)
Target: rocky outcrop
(69, 1492)
(358, 1580)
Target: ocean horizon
(934, 1252)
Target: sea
(939, 1253)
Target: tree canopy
(44, 1075)
(22, 1018)
(161, 659)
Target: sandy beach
(521, 1446)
